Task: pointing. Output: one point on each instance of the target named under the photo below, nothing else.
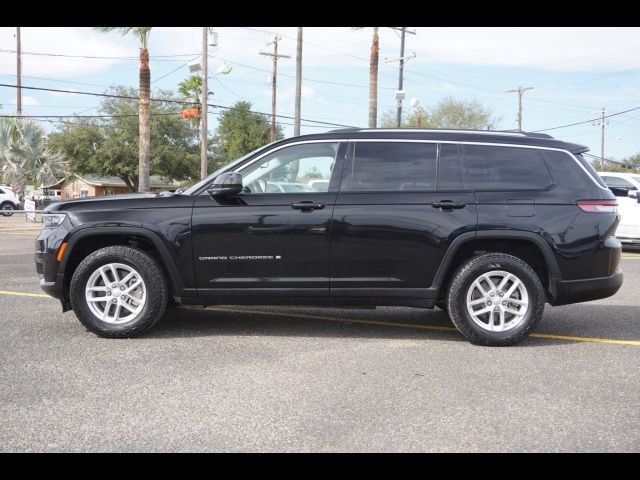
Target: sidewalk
(17, 225)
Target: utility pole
(400, 92)
(400, 76)
(520, 91)
(296, 121)
(204, 103)
(602, 141)
(274, 74)
(19, 72)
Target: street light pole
(205, 100)
(18, 73)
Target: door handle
(448, 205)
(307, 206)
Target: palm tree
(373, 77)
(25, 157)
(191, 89)
(143, 106)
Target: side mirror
(632, 193)
(226, 184)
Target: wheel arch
(481, 239)
(93, 238)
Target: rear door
(393, 221)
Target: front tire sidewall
(458, 301)
(152, 276)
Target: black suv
(486, 225)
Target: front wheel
(7, 209)
(495, 299)
(118, 292)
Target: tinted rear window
(391, 167)
(505, 168)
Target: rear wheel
(7, 209)
(495, 299)
(118, 292)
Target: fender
(168, 261)
(550, 259)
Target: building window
(84, 193)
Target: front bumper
(575, 291)
(47, 245)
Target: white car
(625, 186)
(8, 201)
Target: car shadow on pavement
(585, 320)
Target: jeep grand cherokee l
(488, 226)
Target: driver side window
(295, 169)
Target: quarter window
(391, 167)
(505, 168)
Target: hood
(139, 200)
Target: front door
(273, 238)
(400, 206)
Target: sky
(574, 72)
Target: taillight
(598, 206)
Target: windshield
(636, 178)
(191, 190)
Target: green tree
(110, 146)
(144, 145)
(240, 131)
(448, 113)
(25, 155)
(626, 165)
(373, 76)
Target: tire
(7, 209)
(153, 292)
(463, 288)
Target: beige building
(94, 186)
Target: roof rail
(510, 133)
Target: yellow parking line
(337, 319)
(24, 294)
(424, 327)
(611, 341)
(442, 328)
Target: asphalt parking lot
(304, 379)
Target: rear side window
(391, 167)
(505, 168)
(450, 175)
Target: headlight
(52, 220)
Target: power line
(98, 57)
(169, 73)
(168, 100)
(117, 115)
(586, 121)
(328, 82)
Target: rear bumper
(629, 240)
(574, 291)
